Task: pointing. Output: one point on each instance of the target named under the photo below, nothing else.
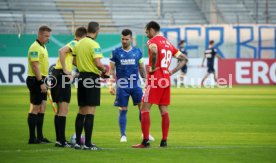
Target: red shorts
(157, 91)
(157, 95)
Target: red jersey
(158, 83)
(165, 51)
(164, 56)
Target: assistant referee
(88, 58)
(37, 71)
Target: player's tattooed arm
(111, 78)
(142, 70)
(154, 51)
(182, 60)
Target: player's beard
(126, 46)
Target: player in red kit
(157, 89)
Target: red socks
(145, 123)
(165, 125)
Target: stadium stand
(180, 12)
(266, 10)
(17, 16)
(85, 11)
(132, 14)
(26, 16)
(233, 11)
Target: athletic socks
(61, 127)
(122, 121)
(56, 127)
(88, 128)
(165, 125)
(32, 121)
(145, 123)
(40, 119)
(78, 127)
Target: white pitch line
(55, 149)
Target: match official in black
(88, 58)
(37, 71)
(61, 92)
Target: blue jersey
(183, 50)
(127, 65)
(210, 54)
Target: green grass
(207, 125)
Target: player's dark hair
(44, 28)
(126, 32)
(80, 32)
(154, 25)
(181, 42)
(211, 42)
(93, 27)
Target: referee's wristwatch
(40, 82)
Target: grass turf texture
(207, 125)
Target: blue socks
(122, 121)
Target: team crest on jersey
(127, 61)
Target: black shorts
(210, 68)
(89, 89)
(184, 69)
(60, 91)
(36, 96)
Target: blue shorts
(122, 96)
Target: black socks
(79, 123)
(40, 119)
(32, 121)
(88, 128)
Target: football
(73, 139)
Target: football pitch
(207, 125)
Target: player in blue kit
(181, 76)
(210, 54)
(128, 62)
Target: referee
(61, 92)
(37, 71)
(88, 57)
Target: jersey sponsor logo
(208, 55)
(97, 50)
(34, 54)
(127, 61)
(73, 44)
